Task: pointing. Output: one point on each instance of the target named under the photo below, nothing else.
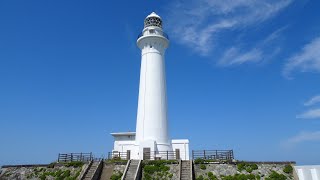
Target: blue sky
(241, 75)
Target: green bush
(149, 169)
(160, 162)
(203, 167)
(258, 177)
(147, 177)
(211, 176)
(240, 177)
(288, 169)
(74, 164)
(116, 176)
(247, 166)
(199, 161)
(254, 166)
(200, 178)
(276, 176)
(158, 168)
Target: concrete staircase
(89, 175)
(131, 170)
(186, 170)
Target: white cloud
(200, 24)
(303, 137)
(312, 101)
(307, 60)
(233, 56)
(310, 114)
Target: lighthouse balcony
(153, 33)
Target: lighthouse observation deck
(151, 33)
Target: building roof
(123, 134)
(153, 14)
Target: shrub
(116, 176)
(240, 177)
(288, 169)
(74, 164)
(199, 161)
(147, 177)
(200, 178)
(157, 169)
(211, 176)
(254, 166)
(258, 177)
(203, 167)
(246, 166)
(249, 169)
(276, 176)
(149, 169)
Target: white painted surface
(311, 172)
(152, 122)
(123, 141)
(183, 146)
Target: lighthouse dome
(153, 20)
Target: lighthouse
(152, 123)
(151, 139)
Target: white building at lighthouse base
(125, 148)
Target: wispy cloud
(201, 25)
(238, 55)
(234, 56)
(312, 101)
(307, 60)
(310, 114)
(303, 137)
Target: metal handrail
(137, 174)
(125, 170)
(213, 154)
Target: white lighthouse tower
(152, 123)
(151, 140)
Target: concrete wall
(183, 146)
(308, 172)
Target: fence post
(167, 155)
(192, 154)
(216, 154)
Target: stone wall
(119, 168)
(38, 173)
(221, 171)
(163, 170)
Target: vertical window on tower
(151, 31)
(151, 46)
